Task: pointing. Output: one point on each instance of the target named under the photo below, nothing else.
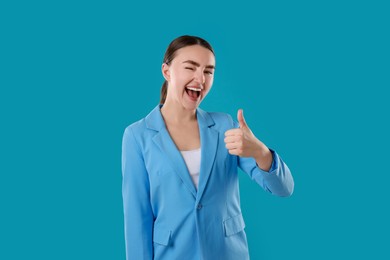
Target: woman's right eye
(188, 68)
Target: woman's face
(190, 76)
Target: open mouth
(194, 93)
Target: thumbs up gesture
(242, 142)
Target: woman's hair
(176, 44)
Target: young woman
(179, 164)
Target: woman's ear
(165, 71)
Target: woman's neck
(177, 114)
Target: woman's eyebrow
(197, 64)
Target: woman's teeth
(194, 89)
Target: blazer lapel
(172, 155)
(169, 150)
(209, 143)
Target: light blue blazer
(165, 217)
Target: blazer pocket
(161, 236)
(234, 225)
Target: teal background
(311, 76)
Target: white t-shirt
(192, 159)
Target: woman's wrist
(264, 158)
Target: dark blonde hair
(176, 44)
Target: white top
(192, 159)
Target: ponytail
(164, 89)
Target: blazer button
(199, 206)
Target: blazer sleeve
(138, 216)
(278, 181)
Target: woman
(179, 163)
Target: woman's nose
(200, 77)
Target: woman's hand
(242, 142)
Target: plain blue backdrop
(311, 76)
